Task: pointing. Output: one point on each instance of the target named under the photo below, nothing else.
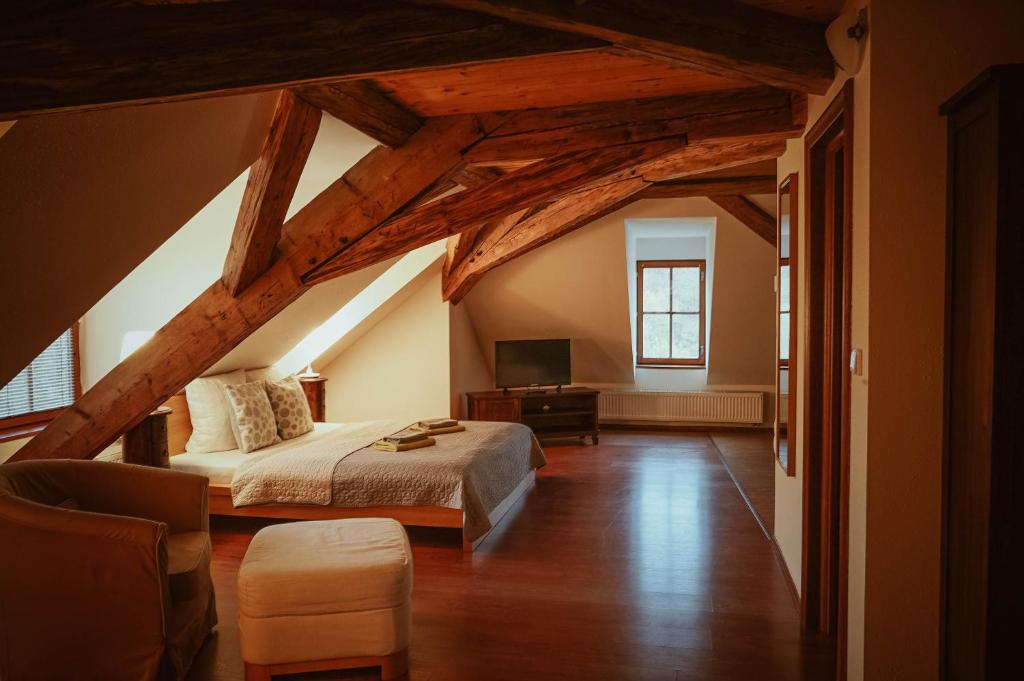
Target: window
(670, 311)
(42, 389)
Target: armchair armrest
(97, 583)
(172, 497)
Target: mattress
(220, 467)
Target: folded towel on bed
(403, 437)
(386, 445)
(431, 424)
(439, 431)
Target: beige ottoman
(327, 594)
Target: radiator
(695, 407)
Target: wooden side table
(146, 443)
(316, 393)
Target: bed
(468, 480)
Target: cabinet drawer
(495, 410)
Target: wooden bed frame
(179, 428)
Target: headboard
(179, 424)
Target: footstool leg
(394, 665)
(256, 672)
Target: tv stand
(564, 412)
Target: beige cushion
(252, 419)
(336, 635)
(325, 566)
(211, 424)
(188, 555)
(270, 373)
(291, 408)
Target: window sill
(21, 432)
(702, 367)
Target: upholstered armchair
(104, 571)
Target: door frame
(826, 466)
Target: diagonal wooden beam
(725, 186)
(564, 215)
(531, 135)
(709, 156)
(378, 186)
(523, 188)
(750, 214)
(460, 245)
(718, 36)
(477, 240)
(360, 104)
(269, 191)
(121, 53)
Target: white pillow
(268, 374)
(211, 424)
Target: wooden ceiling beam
(726, 186)
(527, 136)
(750, 214)
(459, 246)
(529, 186)
(700, 158)
(360, 104)
(124, 53)
(269, 191)
(718, 36)
(375, 188)
(562, 216)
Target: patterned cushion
(291, 409)
(252, 419)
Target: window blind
(47, 383)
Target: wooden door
(826, 413)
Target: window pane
(686, 289)
(656, 289)
(784, 336)
(655, 336)
(47, 383)
(686, 336)
(784, 288)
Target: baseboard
(785, 571)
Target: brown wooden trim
(791, 185)
(641, 360)
(826, 442)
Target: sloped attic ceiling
(87, 196)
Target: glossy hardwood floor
(634, 559)
(750, 459)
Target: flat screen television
(530, 363)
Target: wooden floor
(634, 559)
(749, 457)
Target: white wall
(87, 196)
(469, 370)
(399, 369)
(580, 287)
(193, 258)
